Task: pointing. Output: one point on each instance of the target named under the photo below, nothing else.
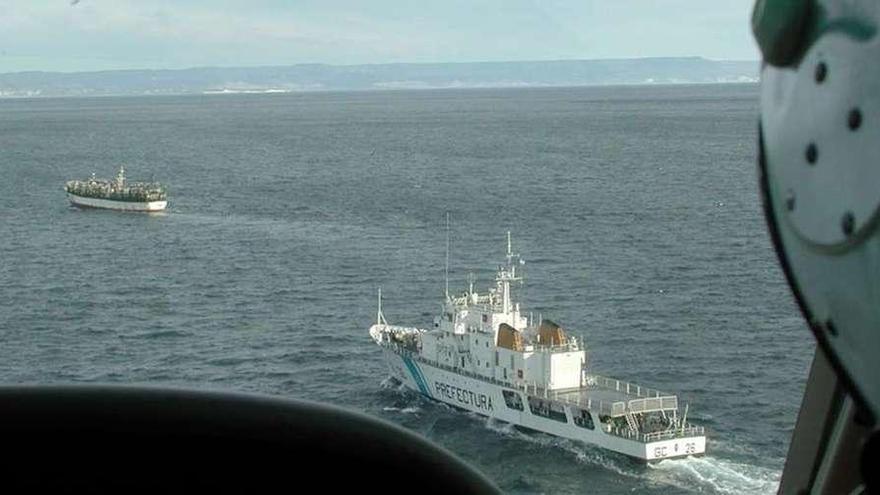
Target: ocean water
(635, 208)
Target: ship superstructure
(483, 354)
(117, 194)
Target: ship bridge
(487, 334)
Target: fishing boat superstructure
(484, 355)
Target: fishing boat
(117, 194)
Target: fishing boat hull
(108, 204)
(493, 400)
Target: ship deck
(611, 397)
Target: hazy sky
(73, 35)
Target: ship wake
(716, 475)
(705, 474)
(583, 453)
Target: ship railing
(614, 409)
(484, 301)
(599, 381)
(566, 347)
(625, 432)
(688, 431)
(603, 408)
(400, 329)
(651, 404)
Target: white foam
(597, 457)
(584, 453)
(718, 475)
(390, 382)
(395, 385)
(403, 410)
(698, 474)
(705, 474)
(504, 428)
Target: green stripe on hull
(417, 376)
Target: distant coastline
(377, 77)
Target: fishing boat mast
(120, 178)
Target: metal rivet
(829, 325)
(789, 201)
(821, 72)
(848, 223)
(855, 119)
(812, 153)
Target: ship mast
(447, 257)
(506, 275)
(380, 318)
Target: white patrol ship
(484, 356)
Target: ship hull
(487, 399)
(108, 204)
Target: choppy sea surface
(635, 208)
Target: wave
(584, 453)
(159, 334)
(695, 474)
(403, 410)
(392, 383)
(230, 361)
(718, 475)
